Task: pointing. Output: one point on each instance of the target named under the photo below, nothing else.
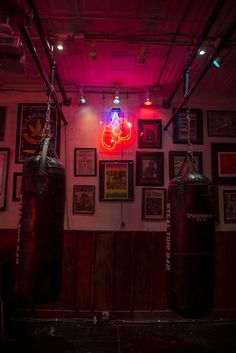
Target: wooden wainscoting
(124, 273)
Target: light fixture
(92, 52)
(217, 62)
(60, 46)
(202, 51)
(142, 55)
(82, 100)
(116, 99)
(147, 101)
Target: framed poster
(30, 123)
(180, 132)
(154, 204)
(16, 194)
(150, 168)
(2, 122)
(223, 163)
(149, 133)
(177, 158)
(83, 199)
(85, 161)
(116, 180)
(4, 165)
(229, 197)
(221, 123)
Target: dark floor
(113, 336)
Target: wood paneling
(124, 272)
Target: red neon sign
(118, 131)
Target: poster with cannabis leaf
(31, 120)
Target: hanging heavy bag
(190, 244)
(40, 234)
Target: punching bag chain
(47, 126)
(190, 151)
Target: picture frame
(216, 204)
(150, 168)
(85, 162)
(149, 133)
(229, 197)
(116, 181)
(30, 122)
(221, 123)
(4, 166)
(83, 199)
(177, 158)
(223, 163)
(154, 204)
(180, 132)
(17, 180)
(2, 122)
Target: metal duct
(204, 71)
(202, 37)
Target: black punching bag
(190, 245)
(41, 230)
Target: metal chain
(188, 118)
(47, 126)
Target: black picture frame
(150, 168)
(221, 123)
(180, 127)
(149, 133)
(154, 204)
(4, 166)
(2, 122)
(116, 180)
(223, 163)
(85, 162)
(229, 199)
(83, 199)
(30, 122)
(177, 158)
(16, 192)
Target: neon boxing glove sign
(118, 131)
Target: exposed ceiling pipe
(204, 71)
(47, 48)
(43, 73)
(206, 29)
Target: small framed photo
(229, 197)
(221, 123)
(150, 168)
(180, 131)
(154, 204)
(30, 123)
(83, 199)
(2, 122)
(223, 159)
(17, 179)
(149, 133)
(85, 162)
(4, 165)
(116, 180)
(177, 158)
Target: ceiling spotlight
(82, 100)
(202, 52)
(92, 52)
(142, 55)
(147, 101)
(60, 47)
(116, 99)
(217, 62)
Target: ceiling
(129, 44)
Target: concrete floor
(75, 336)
